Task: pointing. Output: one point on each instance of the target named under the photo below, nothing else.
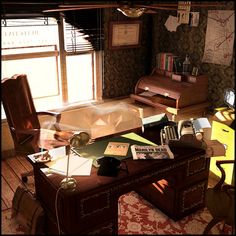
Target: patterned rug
(137, 216)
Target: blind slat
(84, 28)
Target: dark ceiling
(34, 8)
(27, 8)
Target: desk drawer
(174, 202)
(194, 169)
(182, 191)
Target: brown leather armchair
(220, 201)
(23, 120)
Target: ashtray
(42, 157)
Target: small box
(192, 79)
(176, 77)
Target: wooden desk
(164, 93)
(93, 207)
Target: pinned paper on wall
(219, 42)
(172, 23)
(183, 12)
(194, 19)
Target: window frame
(61, 54)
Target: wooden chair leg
(213, 222)
(25, 175)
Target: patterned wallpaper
(124, 67)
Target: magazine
(151, 152)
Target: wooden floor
(12, 168)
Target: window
(56, 77)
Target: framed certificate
(124, 34)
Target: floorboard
(25, 162)
(12, 168)
(16, 166)
(7, 192)
(3, 205)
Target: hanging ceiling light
(131, 11)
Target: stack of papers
(58, 164)
(77, 165)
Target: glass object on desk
(229, 97)
(186, 65)
(78, 140)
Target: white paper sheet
(172, 23)
(77, 165)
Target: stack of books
(169, 62)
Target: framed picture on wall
(124, 34)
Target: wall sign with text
(124, 34)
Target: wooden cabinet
(224, 134)
(172, 96)
(182, 191)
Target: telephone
(175, 132)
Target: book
(117, 149)
(151, 152)
(177, 64)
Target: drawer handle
(166, 94)
(225, 130)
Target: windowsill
(81, 105)
(69, 107)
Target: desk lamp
(77, 140)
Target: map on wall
(219, 37)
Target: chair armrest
(26, 131)
(222, 179)
(57, 115)
(30, 132)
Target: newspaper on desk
(151, 152)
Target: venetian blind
(84, 30)
(75, 40)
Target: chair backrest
(19, 106)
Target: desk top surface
(137, 170)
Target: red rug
(137, 216)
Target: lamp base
(68, 183)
